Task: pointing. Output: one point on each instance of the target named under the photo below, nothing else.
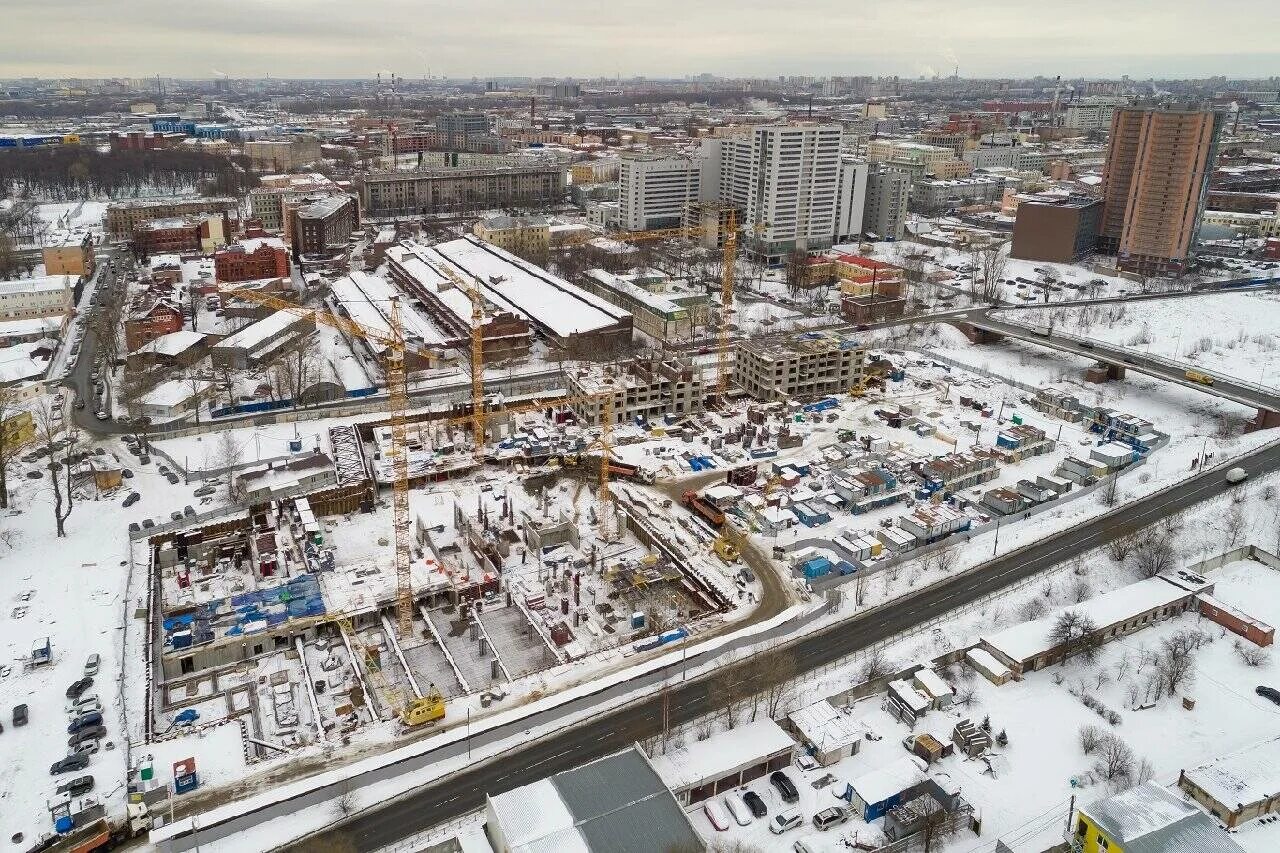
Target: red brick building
(159, 318)
(167, 236)
(247, 260)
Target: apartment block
(325, 226)
(283, 155)
(123, 217)
(1093, 113)
(785, 181)
(429, 191)
(654, 189)
(807, 367)
(886, 208)
(42, 296)
(1159, 160)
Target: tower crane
(394, 350)
(729, 260)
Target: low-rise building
(260, 342)
(806, 367)
(292, 477)
(457, 189)
(942, 194)
(42, 296)
(1147, 819)
(663, 308)
(69, 253)
(700, 770)
(123, 217)
(283, 155)
(249, 259)
(1239, 787)
(150, 319)
(173, 399)
(527, 236)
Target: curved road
(464, 792)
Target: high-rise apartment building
(783, 179)
(1157, 173)
(886, 208)
(462, 123)
(654, 189)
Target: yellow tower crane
(394, 349)
(729, 250)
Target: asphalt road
(464, 792)
(1223, 386)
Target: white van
(737, 808)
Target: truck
(103, 834)
(703, 508)
(1199, 376)
(628, 471)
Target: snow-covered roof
(718, 755)
(366, 298)
(30, 326)
(984, 659)
(269, 327)
(173, 343)
(1241, 778)
(516, 285)
(38, 284)
(17, 363)
(932, 683)
(825, 727)
(1150, 819)
(1025, 641)
(532, 812)
(884, 782)
(174, 392)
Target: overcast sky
(356, 38)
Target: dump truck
(428, 709)
(703, 508)
(1199, 376)
(628, 471)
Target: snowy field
(1232, 333)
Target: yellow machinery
(415, 712)
(427, 709)
(725, 550)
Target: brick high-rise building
(1157, 173)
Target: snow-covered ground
(1232, 333)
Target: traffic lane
(689, 700)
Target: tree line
(73, 172)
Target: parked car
(147, 524)
(132, 499)
(74, 761)
(77, 688)
(84, 721)
(829, 817)
(20, 715)
(188, 511)
(127, 473)
(784, 821)
(88, 744)
(176, 515)
(77, 787)
(173, 478)
(91, 664)
(1268, 693)
(204, 490)
(737, 808)
(84, 705)
(756, 803)
(786, 788)
(715, 815)
(135, 527)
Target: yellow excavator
(427, 709)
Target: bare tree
(1233, 525)
(1092, 738)
(726, 692)
(1076, 633)
(877, 665)
(50, 428)
(195, 386)
(11, 418)
(345, 805)
(1081, 590)
(1251, 655)
(1109, 494)
(774, 674)
(992, 262)
(942, 559)
(1175, 665)
(226, 456)
(1032, 608)
(1121, 547)
(1115, 760)
(1153, 553)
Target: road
(1223, 386)
(464, 792)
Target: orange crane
(394, 350)
(730, 258)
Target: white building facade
(654, 189)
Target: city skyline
(303, 40)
